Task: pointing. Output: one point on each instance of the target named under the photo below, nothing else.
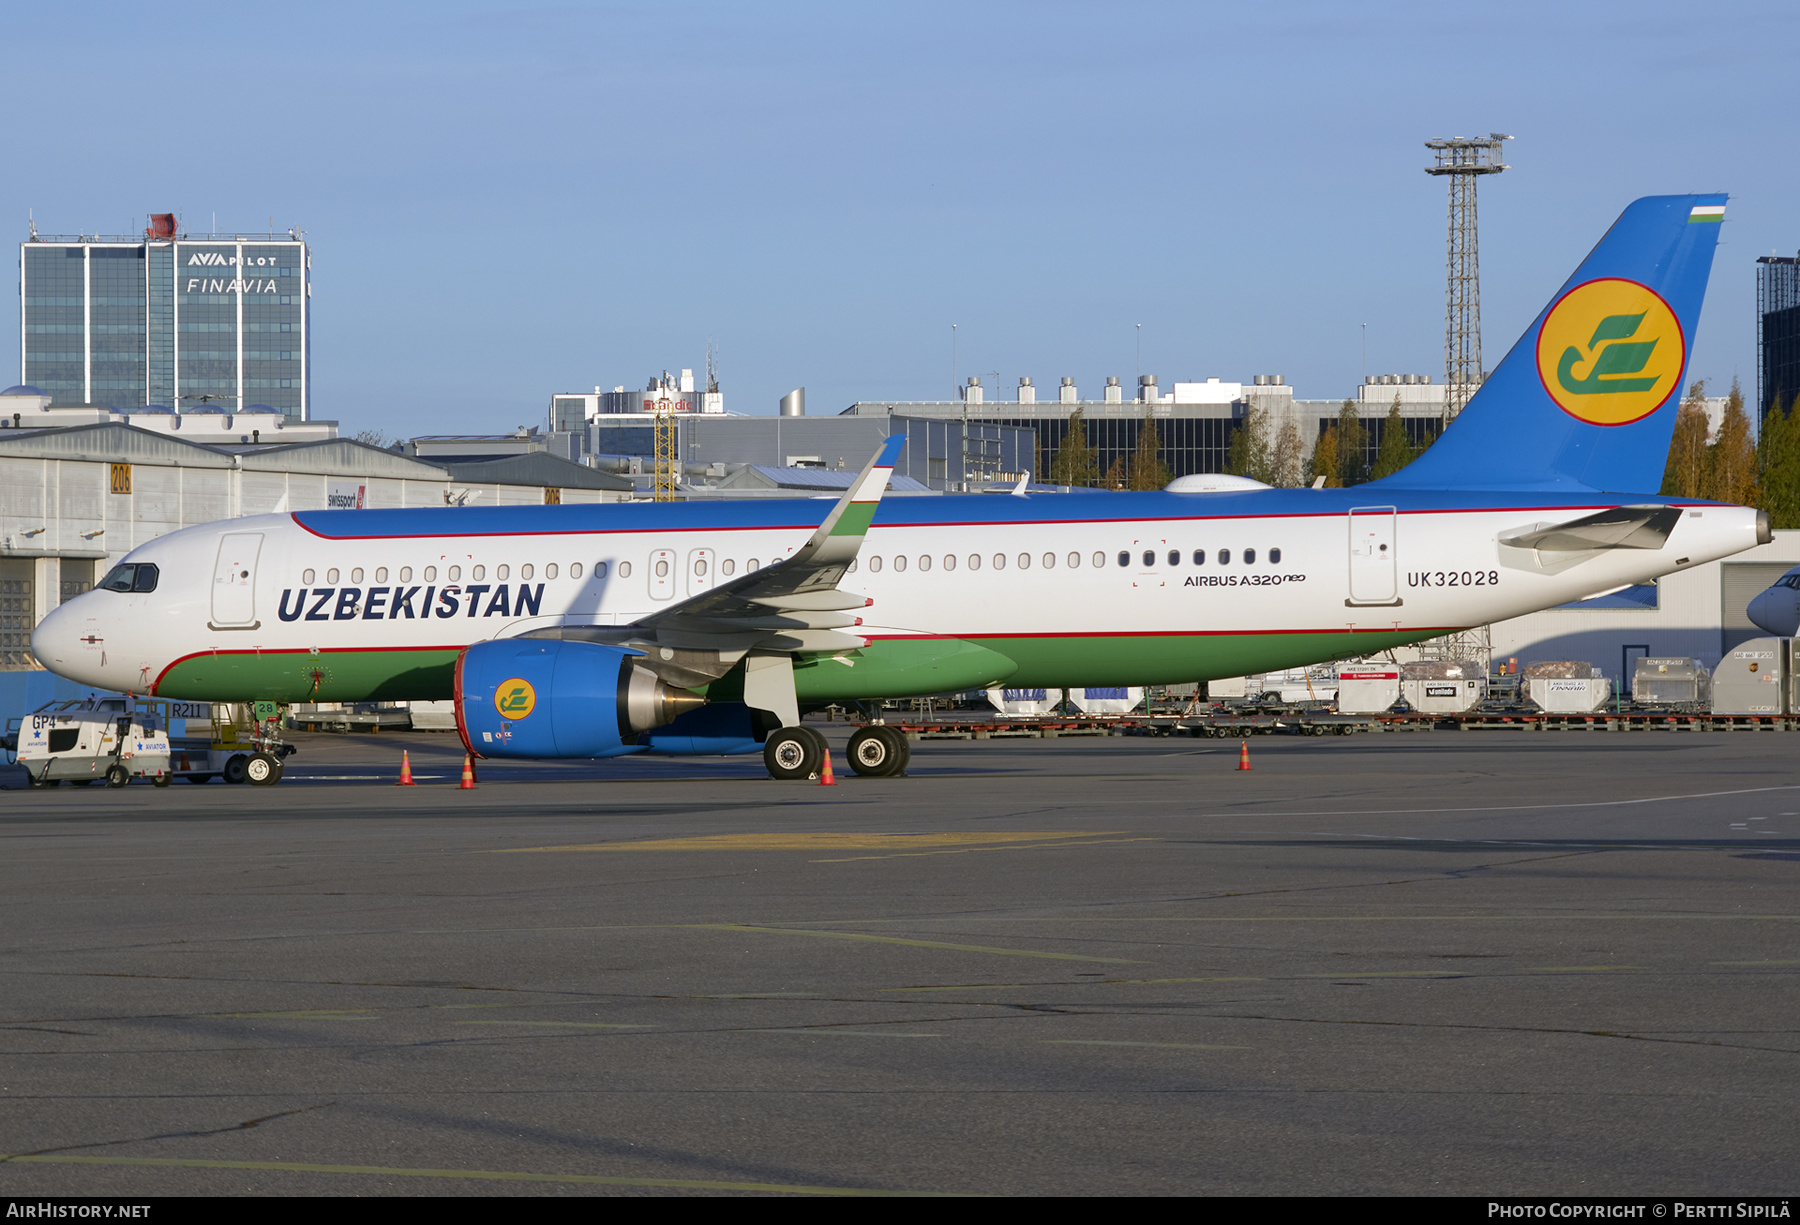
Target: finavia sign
(219, 285)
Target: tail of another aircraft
(1586, 399)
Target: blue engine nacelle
(717, 728)
(537, 697)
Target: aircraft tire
(262, 770)
(234, 768)
(878, 752)
(116, 776)
(793, 753)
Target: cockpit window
(140, 577)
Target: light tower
(1462, 161)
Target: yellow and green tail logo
(1610, 352)
(515, 699)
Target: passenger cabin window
(381, 574)
(454, 573)
(478, 572)
(500, 572)
(729, 567)
(1199, 557)
(549, 571)
(1174, 557)
(406, 574)
(900, 564)
(874, 565)
(1124, 559)
(1249, 557)
(624, 569)
(1149, 558)
(331, 576)
(356, 574)
(1024, 561)
(431, 574)
(306, 578)
(925, 562)
(574, 570)
(1099, 560)
(1274, 557)
(1224, 557)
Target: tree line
(1257, 448)
(1732, 465)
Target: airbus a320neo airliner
(590, 631)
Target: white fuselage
(266, 584)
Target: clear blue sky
(505, 201)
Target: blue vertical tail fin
(1586, 399)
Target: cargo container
(1368, 689)
(1448, 687)
(1566, 686)
(1670, 681)
(1749, 680)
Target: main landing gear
(794, 752)
(878, 751)
(799, 752)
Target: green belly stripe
(329, 676)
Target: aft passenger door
(234, 581)
(1374, 573)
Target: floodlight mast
(1462, 161)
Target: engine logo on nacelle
(515, 699)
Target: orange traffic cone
(184, 763)
(468, 778)
(405, 771)
(826, 779)
(1243, 754)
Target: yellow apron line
(809, 842)
(971, 850)
(924, 944)
(592, 1180)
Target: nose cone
(1776, 611)
(65, 645)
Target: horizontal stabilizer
(1623, 527)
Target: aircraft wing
(1622, 527)
(764, 617)
(794, 604)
